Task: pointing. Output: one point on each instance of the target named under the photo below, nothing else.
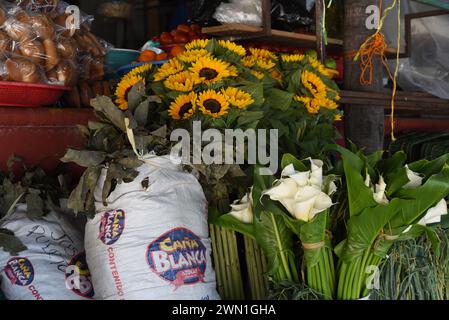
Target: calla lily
(284, 188)
(368, 180)
(242, 210)
(316, 175)
(301, 192)
(434, 214)
(379, 192)
(415, 180)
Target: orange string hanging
(375, 45)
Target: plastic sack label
(111, 226)
(78, 278)
(20, 271)
(179, 257)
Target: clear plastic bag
(427, 68)
(240, 11)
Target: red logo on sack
(111, 226)
(20, 271)
(77, 276)
(179, 257)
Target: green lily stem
(352, 276)
(320, 277)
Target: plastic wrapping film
(240, 11)
(41, 42)
(427, 68)
(286, 14)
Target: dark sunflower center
(212, 105)
(184, 109)
(208, 73)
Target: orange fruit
(147, 56)
(162, 56)
(176, 50)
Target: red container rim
(10, 84)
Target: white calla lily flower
(284, 188)
(434, 214)
(368, 180)
(316, 175)
(415, 180)
(301, 193)
(242, 210)
(379, 192)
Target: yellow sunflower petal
(123, 88)
(262, 53)
(257, 74)
(212, 103)
(183, 81)
(313, 83)
(193, 55)
(169, 68)
(140, 71)
(233, 47)
(183, 107)
(197, 44)
(211, 70)
(292, 57)
(238, 98)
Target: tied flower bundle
(382, 201)
(296, 204)
(403, 203)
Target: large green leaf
(416, 202)
(359, 195)
(288, 159)
(279, 99)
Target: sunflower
(212, 70)
(309, 103)
(139, 71)
(123, 88)
(183, 107)
(276, 75)
(182, 81)
(327, 72)
(197, 44)
(248, 61)
(193, 55)
(212, 103)
(313, 83)
(326, 103)
(173, 66)
(233, 47)
(264, 54)
(237, 97)
(292, 58)
(265, 64)
(257, 74)
(338, 117)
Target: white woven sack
(152, 243)
(54, 265)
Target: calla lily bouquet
(382, 200)
(402, 204)
(296, 204)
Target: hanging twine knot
(375, 45)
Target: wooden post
(364, 124)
